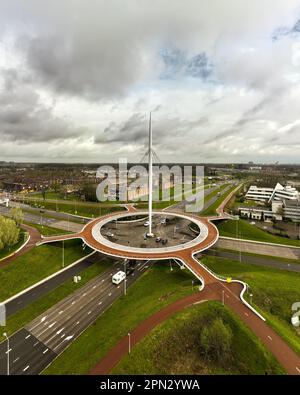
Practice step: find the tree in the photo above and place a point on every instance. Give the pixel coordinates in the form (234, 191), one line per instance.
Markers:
(9, 233)
(215, 340)
(17, 215)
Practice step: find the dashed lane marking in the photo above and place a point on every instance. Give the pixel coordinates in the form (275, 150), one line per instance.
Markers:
(89, 313)
(44, 352)
(19, 358)
(26, 368)
(27, 337)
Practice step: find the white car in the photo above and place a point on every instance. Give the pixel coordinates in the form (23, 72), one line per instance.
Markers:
(118, 277)
(147, 223)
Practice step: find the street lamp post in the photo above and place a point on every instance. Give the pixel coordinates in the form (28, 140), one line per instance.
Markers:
(8, 351)
(125, 281)
(129, 343)
(63, 254)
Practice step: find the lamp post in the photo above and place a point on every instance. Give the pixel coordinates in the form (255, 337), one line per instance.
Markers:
(8, 351)
(63, 254)
(125, 281)
(129, 343)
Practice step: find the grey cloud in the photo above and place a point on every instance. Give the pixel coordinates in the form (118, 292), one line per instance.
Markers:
(23, 116)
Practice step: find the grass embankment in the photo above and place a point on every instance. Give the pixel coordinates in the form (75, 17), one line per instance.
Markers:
(274, 291)
(175, 347)
(37, 264)
(24, 316)
(243, 229)
(47, 230)
(211, 210)
(83, 210)
(8, 251)
(154, 290)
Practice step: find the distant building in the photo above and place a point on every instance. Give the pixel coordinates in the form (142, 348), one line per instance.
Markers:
(288, 209)
(4, 199)
(265, 194)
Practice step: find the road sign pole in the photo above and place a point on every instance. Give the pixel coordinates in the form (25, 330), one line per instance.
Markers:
(8, 351)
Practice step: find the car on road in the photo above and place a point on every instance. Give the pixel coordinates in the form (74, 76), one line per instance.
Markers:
(147, 223)
(118, 277)
(158, 239)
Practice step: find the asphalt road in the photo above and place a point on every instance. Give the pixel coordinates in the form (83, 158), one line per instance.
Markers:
(63, 223)
(35, 346)
(255, 260)
(35, 293)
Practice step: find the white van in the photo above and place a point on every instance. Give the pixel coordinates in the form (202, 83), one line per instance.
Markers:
(118, 277)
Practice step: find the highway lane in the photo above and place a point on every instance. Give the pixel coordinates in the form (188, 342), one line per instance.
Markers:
(181, 205)
(35, 293)
(255, 260)
(55, 329)
(64, 223)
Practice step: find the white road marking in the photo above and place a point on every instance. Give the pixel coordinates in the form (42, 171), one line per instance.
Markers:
(6, 352)
(44, 352)
(58, 332)
(36, 343)
(73, 302)
(27, 337)
(27, 367)
(19, 358)
(269, 337)
(99, 303)
(84, 294)
(77, 323)
(63, 335)
(51, 325)
(89, 313)
(61, 311)
(94, 286)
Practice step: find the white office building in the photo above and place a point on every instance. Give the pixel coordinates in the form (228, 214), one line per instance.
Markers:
(278, 193)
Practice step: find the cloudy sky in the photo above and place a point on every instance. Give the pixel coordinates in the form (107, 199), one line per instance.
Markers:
(78, 79)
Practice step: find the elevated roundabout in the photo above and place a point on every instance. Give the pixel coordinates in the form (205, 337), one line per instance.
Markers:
(229, 291)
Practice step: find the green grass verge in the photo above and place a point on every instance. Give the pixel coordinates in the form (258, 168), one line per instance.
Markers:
(47, 230)
(247, 231)
(154, 290)
(274, 291)
(8, 251)
(174, 347)
(24, 316)
(84, 210)
(211, 210)
(37, 264)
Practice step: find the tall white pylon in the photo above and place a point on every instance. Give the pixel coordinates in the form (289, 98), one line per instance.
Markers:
(150, 181)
